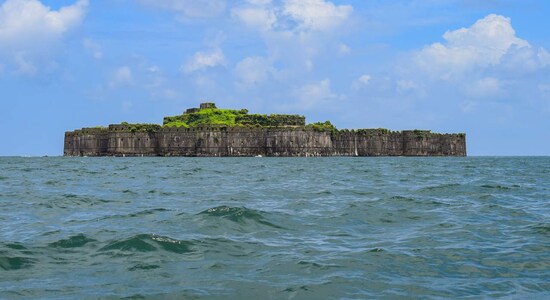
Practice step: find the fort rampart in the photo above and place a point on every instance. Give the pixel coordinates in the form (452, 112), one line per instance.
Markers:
(213, 141)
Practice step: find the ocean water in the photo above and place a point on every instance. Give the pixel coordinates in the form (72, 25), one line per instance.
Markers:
(275, 228)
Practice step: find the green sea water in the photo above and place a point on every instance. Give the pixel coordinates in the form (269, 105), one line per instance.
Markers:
(275, 228)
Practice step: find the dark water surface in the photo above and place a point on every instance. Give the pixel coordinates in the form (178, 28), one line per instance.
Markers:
(275, 228)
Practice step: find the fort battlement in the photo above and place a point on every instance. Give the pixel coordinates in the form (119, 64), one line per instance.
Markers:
(209, 131)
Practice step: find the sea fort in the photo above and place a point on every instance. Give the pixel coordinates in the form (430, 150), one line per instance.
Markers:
(212, 132)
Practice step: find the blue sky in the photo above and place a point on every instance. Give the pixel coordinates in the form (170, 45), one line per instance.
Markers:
(480, 67)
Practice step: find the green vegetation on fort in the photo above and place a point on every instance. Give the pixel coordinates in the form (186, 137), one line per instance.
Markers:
(374, 132)
(209, 114)
(420, 134)
(270, 120)
(142, 127)
(231, 118)
(322, 127)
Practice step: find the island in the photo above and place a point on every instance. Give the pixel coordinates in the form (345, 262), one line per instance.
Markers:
(208, 131)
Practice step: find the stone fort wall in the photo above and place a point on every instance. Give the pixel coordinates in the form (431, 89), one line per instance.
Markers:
(212, 141)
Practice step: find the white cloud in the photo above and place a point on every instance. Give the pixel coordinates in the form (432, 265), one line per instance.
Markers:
(491, 36)
(24, 66)
(405, 85)
(93, 48)
(484, 87)
(316, 14)
(308, 64)
(344, 49)
(153, 69)
(256, 17)
(253, 70)
(204, 60)
(167, 94)
(295, 32)
(24, 22)
(468, 106)
(361, 82)
(121, 76)
(519, 60)
(317, 94)
(259, 2)
(189, 8)
(482, 45)
(364, 79)
(544, 57)
(293, 15)
(485, 61)
(31, 31)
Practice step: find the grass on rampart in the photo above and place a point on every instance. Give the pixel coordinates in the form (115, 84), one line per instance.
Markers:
(209, 116)
(142, 127)
(231, 118)
(322, 127)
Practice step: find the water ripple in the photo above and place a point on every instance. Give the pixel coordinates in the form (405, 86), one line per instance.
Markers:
(343, 228)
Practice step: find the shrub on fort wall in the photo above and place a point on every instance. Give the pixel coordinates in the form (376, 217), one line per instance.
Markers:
(322, 127)
(230, 117)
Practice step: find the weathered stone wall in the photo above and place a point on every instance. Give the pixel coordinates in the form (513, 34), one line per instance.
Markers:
(362, 144)
(86, 142)
(253, 141)
(132, 144)
(429, 144)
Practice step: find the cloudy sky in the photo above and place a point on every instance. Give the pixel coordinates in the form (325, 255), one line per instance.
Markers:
(480, 67)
